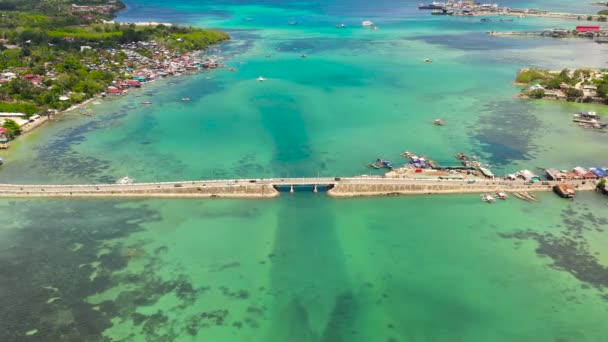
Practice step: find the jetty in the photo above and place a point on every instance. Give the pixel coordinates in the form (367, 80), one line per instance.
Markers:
(273, 187)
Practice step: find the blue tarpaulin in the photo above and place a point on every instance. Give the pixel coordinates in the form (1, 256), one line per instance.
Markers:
(598, 172)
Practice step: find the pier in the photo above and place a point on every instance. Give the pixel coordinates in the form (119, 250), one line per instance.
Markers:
(269, 187)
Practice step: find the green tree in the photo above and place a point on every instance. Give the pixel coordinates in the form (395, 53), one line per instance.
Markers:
(12, 127)
(537, 93)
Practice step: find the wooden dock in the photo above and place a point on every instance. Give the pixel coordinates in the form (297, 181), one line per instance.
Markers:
(269, 188)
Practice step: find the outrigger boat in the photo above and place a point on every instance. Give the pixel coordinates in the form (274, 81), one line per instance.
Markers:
(381, 163)
(502, 195)
(488, 198)
(125, 180)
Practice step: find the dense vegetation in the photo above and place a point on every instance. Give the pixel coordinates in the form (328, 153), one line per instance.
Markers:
(42, 47)
(565, 81)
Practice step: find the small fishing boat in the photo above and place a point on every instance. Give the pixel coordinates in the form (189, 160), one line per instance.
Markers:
(461, 156)
(261, 79)
(438, 122)
(367, 23)
(428, 60)
(502, 195)
(488, 198)
(147, 103)
(529, 196)
(186, 99)
(125, 180)
(486, 20)
(374, 165)
(340, 26)
(303, 55)
(520, 196)
(382, 163)
(406, 154)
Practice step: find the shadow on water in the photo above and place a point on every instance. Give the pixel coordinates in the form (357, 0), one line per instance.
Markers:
(316, 300)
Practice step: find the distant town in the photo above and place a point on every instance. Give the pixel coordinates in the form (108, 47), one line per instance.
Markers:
(53, 59)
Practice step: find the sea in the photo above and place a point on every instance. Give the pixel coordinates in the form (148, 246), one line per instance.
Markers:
(306, 267)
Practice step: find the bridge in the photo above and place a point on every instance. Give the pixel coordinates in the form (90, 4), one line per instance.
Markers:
(271, 187)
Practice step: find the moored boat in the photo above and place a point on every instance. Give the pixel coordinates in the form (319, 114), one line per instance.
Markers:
(502, 195)
(125, 180)
(488, 198)
(438, 122)
(564, 190)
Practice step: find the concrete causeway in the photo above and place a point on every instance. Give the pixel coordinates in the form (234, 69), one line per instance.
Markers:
(269, 187)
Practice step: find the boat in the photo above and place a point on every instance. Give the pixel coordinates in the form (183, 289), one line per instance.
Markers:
(485, 20)
(442, 12)
(428, 60)
(406, 154)
(374, 165)
(146, 102)
(125, 180)
(293, 23)
(564, 190)
(438, 122)
(432, 6)
(186, 99)
(374, 28)
(488, 198)
(303, 55)
(340, 26)
(502, 195)
(382, 163)
(530, 196)
(261, 79)
(520, 196)
(367, 23)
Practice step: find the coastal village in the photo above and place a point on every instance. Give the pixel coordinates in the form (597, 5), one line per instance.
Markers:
(114, 57)
(420, 167)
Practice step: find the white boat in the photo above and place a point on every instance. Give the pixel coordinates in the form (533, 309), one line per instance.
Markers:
(261, 79)
(502, 195)
(125, 180)
(438, 122)
(186, 99)
(428, 60)
(367, 23)
(488, 198)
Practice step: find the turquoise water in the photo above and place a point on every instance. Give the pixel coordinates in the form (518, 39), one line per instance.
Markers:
(306, 267)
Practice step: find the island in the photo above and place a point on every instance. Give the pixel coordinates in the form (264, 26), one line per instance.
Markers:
(54, 56)
(580, 85)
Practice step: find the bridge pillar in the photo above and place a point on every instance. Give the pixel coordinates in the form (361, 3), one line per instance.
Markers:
(315, 189)
(291, 189)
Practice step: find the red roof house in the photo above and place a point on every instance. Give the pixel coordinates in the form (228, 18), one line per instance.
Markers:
(582, 28)
(134, 83)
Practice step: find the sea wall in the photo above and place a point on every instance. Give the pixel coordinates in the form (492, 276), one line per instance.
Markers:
(226, 191)
(360, 189)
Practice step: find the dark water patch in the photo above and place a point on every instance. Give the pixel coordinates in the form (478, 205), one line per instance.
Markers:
(569, 249)
(478, 41)
(236, 294)
(228, 266)
(38, 262)
(321, 45)
(341, 319)
(506, 132)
